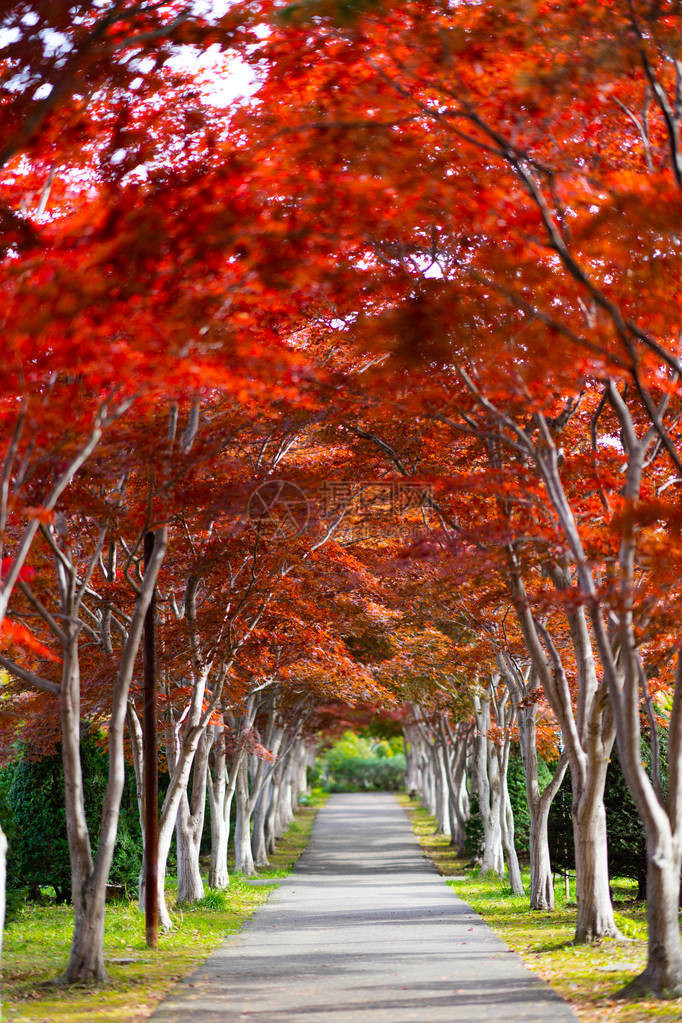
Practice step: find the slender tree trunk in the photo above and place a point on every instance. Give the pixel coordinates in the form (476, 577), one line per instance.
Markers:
(430, 781)
(137, 749)
(541, 880)
(258, 843)
(189, 826)
(218, 797)
(271, 822)
(493, 853)
(219, 876)
(588, 735)
(412, 781)
(180, 753)
(507, 824)
(165, 838)
(455, 758)
(489, 791)
(86, 958)
(243, 856)
(442, 790)
(286, 815)
(663, 972)
(462, 807)
(301, 787)
(89, 879)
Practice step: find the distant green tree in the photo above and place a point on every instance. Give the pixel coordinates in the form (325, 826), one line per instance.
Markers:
(361, 763)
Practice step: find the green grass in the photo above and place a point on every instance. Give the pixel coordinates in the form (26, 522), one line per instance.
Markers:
(36, 947)
(587, 976)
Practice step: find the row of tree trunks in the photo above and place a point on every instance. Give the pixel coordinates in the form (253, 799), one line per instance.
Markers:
(445, 762)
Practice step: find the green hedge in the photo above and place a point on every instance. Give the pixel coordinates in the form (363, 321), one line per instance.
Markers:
(367, 774)
(33, 814)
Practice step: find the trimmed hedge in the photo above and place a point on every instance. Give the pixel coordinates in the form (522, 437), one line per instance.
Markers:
(32, 810)
(367, 774)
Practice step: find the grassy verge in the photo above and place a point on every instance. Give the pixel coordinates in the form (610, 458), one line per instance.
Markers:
(36, 947)
(587, 976)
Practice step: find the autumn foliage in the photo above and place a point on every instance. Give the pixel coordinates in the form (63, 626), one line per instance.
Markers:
(422, 276)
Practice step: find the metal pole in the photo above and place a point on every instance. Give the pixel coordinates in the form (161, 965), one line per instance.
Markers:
(151, 779)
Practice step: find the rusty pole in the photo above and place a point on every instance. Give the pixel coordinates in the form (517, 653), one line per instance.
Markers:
(151, 778)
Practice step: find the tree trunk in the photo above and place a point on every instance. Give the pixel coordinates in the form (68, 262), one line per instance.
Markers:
(493, 853)
(430, 785)
(663, 972)
(258, 843)
(218, 876)
(588, 735)
(189, 826)
(220, 802)
(286, 814)
(507, 824)
(412, 780)
(454, 759)
(302, 770)
(271, 822)
(243, 856)
(137, 749)
(541, 881)
(442, 790)
(595, 912)
(489, 790)
(165, 838)
(188, 839)
(86, 959)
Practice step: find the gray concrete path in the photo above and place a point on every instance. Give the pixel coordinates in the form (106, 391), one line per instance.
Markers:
(363, 931)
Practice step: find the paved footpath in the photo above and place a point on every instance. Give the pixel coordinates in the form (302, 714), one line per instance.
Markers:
(363, 931)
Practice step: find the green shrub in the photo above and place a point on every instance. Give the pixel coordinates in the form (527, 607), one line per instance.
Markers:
(40, 852)
(367, 774)
(361, 763)
(15, 892)
(560, 827)
(624, 828)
